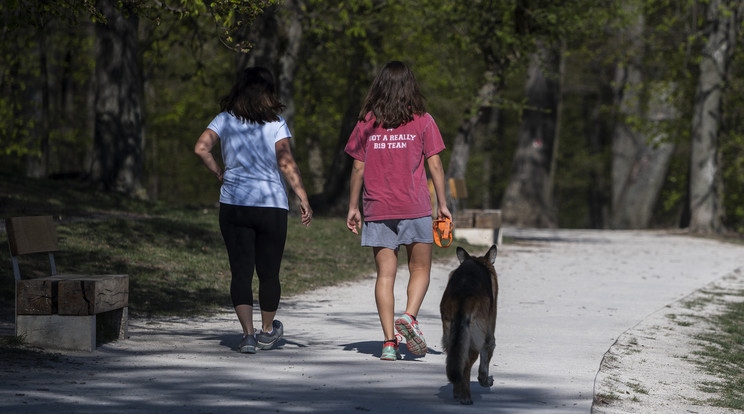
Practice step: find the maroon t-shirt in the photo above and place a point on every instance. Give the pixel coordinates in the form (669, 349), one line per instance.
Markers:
(394, 175)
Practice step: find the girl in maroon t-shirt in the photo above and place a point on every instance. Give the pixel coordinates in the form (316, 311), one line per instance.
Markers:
(389, 144)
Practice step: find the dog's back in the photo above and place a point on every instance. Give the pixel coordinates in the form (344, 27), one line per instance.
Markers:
(468, 310)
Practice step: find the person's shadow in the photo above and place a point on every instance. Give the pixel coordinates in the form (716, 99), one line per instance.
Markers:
(231, 341)
(374, 349)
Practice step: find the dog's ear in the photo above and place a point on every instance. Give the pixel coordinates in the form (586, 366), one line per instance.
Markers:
(491, 255)
(462, 255)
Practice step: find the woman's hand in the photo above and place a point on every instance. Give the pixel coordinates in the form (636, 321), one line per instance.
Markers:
(306, 212)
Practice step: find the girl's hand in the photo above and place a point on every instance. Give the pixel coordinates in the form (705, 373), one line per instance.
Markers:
(354, 220)
(444, 212)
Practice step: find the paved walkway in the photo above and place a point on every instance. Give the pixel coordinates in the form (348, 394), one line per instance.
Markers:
(565, 297)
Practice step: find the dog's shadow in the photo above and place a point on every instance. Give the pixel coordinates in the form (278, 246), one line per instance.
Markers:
(476, 392)
(374, 349)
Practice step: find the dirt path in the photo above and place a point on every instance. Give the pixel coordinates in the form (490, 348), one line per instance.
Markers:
(566, 297)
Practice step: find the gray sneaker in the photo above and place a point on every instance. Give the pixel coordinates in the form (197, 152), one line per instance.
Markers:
(248, 345)
(266, 340)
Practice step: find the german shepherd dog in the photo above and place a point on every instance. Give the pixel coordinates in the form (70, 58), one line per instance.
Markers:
(468, 311)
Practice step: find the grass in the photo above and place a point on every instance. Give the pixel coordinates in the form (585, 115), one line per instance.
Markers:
(722, 354)
(175, 256)
(637, 388)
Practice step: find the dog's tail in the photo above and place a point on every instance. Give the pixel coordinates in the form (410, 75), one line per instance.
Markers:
(459, 345)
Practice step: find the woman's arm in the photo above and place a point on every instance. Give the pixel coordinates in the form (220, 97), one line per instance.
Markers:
(203, 149)
(291, 173)
(354, 217)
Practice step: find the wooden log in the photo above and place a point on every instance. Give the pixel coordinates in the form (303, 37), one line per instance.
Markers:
(463, 219)
(36, 297)
(487, 219)
(90, 295)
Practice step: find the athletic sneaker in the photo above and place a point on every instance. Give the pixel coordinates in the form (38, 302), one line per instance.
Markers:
(267, 340)
(408, 327)
(390, 351)
(248, 345)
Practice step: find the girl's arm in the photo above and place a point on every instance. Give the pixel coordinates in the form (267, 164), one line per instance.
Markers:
(203, 149)
(354, 217)
(291, 173)
(437, 177)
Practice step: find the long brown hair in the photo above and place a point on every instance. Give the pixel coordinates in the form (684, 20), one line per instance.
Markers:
(253, 97)
(394, 97)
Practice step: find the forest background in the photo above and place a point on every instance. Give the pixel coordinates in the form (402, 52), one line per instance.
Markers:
(575, 113)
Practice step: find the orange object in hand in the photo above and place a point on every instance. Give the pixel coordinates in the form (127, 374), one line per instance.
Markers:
(443, 232)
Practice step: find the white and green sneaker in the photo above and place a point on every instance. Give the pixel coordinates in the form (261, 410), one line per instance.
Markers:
(390, 351)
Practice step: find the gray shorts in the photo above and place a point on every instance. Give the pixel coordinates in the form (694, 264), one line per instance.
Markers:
(396, 232)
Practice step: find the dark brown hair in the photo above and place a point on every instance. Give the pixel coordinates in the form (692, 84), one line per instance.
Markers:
(253, 97)
(394, 97)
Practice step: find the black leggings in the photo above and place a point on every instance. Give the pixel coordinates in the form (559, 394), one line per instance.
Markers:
(254, 237)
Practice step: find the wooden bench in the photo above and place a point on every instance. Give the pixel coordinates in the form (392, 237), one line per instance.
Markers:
(476, 226)
(63, 311)
(480, 227)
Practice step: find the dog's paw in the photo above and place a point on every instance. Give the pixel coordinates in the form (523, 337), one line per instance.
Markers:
(485, 381)
(466, 401)
(463, 396)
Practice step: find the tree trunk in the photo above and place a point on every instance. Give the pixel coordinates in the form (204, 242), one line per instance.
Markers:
(705, 185)
(597, 141)
(265, 50)
(37, 164)
(487, 145)
(119, 132)
(279, 34)
(639, 162)
(528, 199)
(335, 195)
(335, 188)
(458, 163)
(288, 61)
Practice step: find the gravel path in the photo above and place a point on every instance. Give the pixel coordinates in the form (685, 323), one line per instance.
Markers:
(567, 298)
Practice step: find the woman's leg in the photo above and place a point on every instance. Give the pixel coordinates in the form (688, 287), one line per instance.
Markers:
(419, 266)
(271, 237)
(245, 316)
(386, 261)
(239, 242)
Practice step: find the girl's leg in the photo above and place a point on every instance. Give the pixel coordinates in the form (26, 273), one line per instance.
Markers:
(419, 266)
(386, 261)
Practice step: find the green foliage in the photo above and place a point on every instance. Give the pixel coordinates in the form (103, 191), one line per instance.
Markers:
(732, 149)
(231, 16)
(180, 102)
(672, 205)
(69, 66)
(186, 67)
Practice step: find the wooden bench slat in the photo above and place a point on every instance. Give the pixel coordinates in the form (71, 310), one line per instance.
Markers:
(90, 295)
(34, 234)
